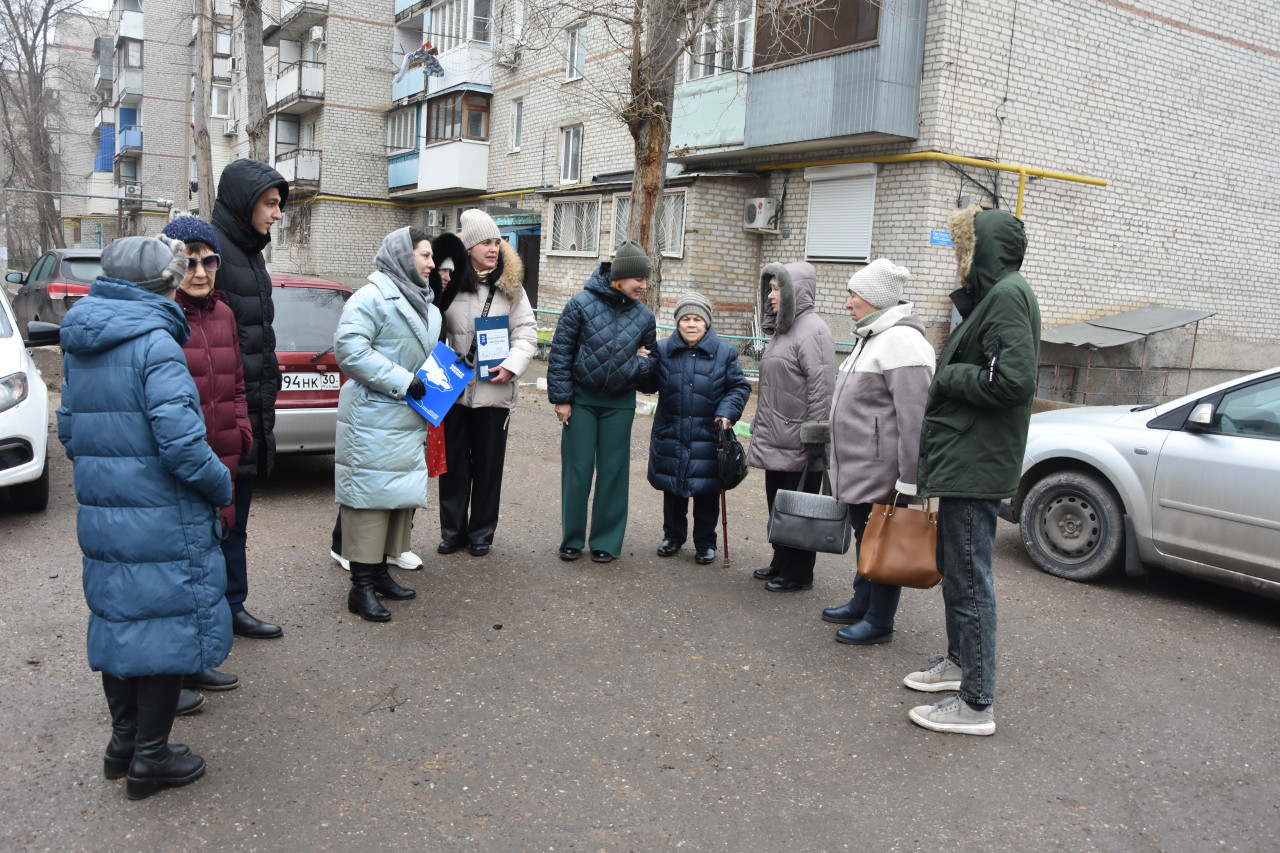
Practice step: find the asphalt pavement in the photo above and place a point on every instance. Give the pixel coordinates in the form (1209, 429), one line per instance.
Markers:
(524, 703)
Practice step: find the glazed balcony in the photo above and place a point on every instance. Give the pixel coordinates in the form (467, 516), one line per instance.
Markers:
(441, 168)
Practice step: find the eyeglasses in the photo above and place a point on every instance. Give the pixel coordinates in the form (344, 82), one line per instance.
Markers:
(210, 262)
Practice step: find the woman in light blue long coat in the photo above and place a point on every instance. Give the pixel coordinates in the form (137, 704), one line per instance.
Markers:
(387, 329)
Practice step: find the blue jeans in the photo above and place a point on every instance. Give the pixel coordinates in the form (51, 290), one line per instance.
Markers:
(234, 546)
(966, 544)
(877, 602)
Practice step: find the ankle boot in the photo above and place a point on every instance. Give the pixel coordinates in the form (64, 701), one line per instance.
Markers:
(385, 585)
(154, 763)
(122, 699)
(361, 599)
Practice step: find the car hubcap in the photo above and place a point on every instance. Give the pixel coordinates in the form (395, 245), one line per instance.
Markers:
(1070, 527)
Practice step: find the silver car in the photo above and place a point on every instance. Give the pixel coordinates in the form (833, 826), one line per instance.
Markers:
(1191, 485)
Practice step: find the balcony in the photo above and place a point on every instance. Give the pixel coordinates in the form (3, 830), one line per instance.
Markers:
(470, 63)
(301, 168)
(103, 77)
(297, 17)
(129, 139)
(441, 168)
(297, 88)
(409, 8)
(130, 25)
(412, 83)
(128, 88)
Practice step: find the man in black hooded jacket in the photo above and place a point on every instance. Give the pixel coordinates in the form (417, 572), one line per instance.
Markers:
(250, 196)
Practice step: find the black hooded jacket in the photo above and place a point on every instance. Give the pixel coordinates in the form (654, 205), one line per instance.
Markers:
(243, 278)
(447, 245)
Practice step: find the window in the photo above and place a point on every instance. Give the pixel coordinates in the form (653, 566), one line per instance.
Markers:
(130, 53)
(462, 115)
(481, 20)
(402, 130)
(220, 101)
(222, 39)
(571, 154)
(841, 204)
(788, 34)
(517, 122)
(286, 134)
(128, 169)
(576, 55)
(575, 227)
(455, 22)
(670, 222)
(1253, 410)
(725, 42)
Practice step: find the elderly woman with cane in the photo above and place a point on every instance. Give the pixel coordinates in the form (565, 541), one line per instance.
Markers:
(700, 389)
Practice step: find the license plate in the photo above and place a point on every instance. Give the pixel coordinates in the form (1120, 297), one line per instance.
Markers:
(311, 382)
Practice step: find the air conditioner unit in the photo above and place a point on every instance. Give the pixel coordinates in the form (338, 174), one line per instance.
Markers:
(760, 214)
(237, 64)
(95, 99)
(317, 35)
(507, 54)
(433, 219)
(133, 190)
(229, 127)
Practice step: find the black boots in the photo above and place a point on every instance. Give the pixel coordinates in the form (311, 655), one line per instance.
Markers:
(122, 699)
(384, 585)
(154, 762)
(361, 599)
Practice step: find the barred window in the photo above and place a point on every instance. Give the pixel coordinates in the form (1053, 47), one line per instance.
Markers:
(670, 222)
(575, 227)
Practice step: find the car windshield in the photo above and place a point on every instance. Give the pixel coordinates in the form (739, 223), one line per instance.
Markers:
(6, 330)
(306, 317)
(83, 269)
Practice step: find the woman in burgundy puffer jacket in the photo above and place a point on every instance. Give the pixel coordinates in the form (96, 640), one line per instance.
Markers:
(213, 358)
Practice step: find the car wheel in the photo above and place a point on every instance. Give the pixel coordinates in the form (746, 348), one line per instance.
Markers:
(1072, 526)
(32, 496)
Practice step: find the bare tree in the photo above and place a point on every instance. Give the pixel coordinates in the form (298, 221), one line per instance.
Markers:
(255, 81)
(27, 106)
(202, 63)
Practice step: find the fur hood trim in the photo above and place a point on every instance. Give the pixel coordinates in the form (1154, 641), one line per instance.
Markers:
(511, 281)
(961, 224)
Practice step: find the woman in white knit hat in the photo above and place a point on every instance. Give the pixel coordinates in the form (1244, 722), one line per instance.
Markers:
(491, 285)
(876, 412)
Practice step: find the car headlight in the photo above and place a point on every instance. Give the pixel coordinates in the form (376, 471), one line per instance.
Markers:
(13, 390)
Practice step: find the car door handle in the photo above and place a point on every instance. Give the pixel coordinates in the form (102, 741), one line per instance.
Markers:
(1141, 451)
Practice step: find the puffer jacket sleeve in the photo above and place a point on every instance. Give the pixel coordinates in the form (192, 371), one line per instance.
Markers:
(651, 381)
(65, 422)
(1008, 337)
(523, 325)
(816, 355)
(635, 369)
(737, 388)
(909, 388)
(564, 348)
(173, 410)
(353, 345)
(243, 424)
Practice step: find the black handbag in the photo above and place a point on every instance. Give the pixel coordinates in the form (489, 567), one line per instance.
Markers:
(811, 522)
(731, 458)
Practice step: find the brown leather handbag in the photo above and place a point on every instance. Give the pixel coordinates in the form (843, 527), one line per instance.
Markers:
(899, 546)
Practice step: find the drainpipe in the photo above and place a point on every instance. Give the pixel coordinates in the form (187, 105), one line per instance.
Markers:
(938, 156)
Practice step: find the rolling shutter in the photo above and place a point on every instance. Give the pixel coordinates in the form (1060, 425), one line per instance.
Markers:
(842, 203)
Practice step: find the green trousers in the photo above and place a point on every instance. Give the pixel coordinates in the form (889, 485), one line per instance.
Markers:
(596, 441)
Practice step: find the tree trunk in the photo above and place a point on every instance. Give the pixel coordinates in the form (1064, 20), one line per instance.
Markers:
(255, 82)
(204, 152)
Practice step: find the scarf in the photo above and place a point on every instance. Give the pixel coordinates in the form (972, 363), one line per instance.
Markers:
(395, 259)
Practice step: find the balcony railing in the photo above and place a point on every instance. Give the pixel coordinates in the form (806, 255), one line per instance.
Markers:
(406, 5)
(129, 138)
(131, 25)
(129, 84)
(412, 83)
(302, 80)
(289, 8)
(402, 169)
(301, 165)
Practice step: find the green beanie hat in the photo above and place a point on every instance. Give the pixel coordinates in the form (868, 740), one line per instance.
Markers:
(629, 261)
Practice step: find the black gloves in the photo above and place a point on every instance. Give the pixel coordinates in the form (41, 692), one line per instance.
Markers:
(416, 388)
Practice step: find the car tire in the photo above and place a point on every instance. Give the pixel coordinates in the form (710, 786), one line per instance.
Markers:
(1073, 526)
(34, 495)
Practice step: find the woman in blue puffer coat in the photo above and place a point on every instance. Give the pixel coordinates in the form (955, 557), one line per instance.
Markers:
(149, 488)
(380, 472)
(700, 388)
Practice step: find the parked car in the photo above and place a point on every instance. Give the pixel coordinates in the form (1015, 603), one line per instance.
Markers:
(307, 313)
(1188, 485)
(24, 412)
(58, 278)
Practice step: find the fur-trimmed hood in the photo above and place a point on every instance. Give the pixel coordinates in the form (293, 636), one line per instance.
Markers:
(446, 244)
(988, 245)
(509, 271)
(797, 288)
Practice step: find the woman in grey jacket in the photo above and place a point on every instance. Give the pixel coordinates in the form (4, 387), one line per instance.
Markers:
(876, 413)
(796, 376)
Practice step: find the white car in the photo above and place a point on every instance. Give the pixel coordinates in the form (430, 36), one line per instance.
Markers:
(1190, 485)
(24, 412)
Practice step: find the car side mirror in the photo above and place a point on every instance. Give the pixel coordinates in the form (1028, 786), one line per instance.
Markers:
(1201, 418)
(41, 334)
(14, 278)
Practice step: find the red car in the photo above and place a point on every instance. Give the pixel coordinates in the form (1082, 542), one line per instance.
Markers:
(307, 313)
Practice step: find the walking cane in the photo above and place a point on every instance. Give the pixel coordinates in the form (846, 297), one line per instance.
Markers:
(724, 526)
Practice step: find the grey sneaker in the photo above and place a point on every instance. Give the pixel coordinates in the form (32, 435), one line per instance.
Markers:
(954, 715)
(941, 676)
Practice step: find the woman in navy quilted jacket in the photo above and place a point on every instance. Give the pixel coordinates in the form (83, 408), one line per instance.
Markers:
(599, 353)
(213, 359)
(149, 490)
(700, 388)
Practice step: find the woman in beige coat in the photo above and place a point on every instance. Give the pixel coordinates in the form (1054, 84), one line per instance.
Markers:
(475, 429)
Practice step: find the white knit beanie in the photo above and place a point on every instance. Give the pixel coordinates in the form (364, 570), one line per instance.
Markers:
(476, 226)
(880, 283)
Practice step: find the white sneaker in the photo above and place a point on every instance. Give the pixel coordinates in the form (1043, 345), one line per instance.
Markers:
(407, 560)
(941, 676)
(954, 716)
(337, 558)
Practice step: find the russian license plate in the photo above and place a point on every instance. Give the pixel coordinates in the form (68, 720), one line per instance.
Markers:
(311, 382)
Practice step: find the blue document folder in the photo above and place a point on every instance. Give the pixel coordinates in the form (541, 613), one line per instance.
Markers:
(446, 377)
